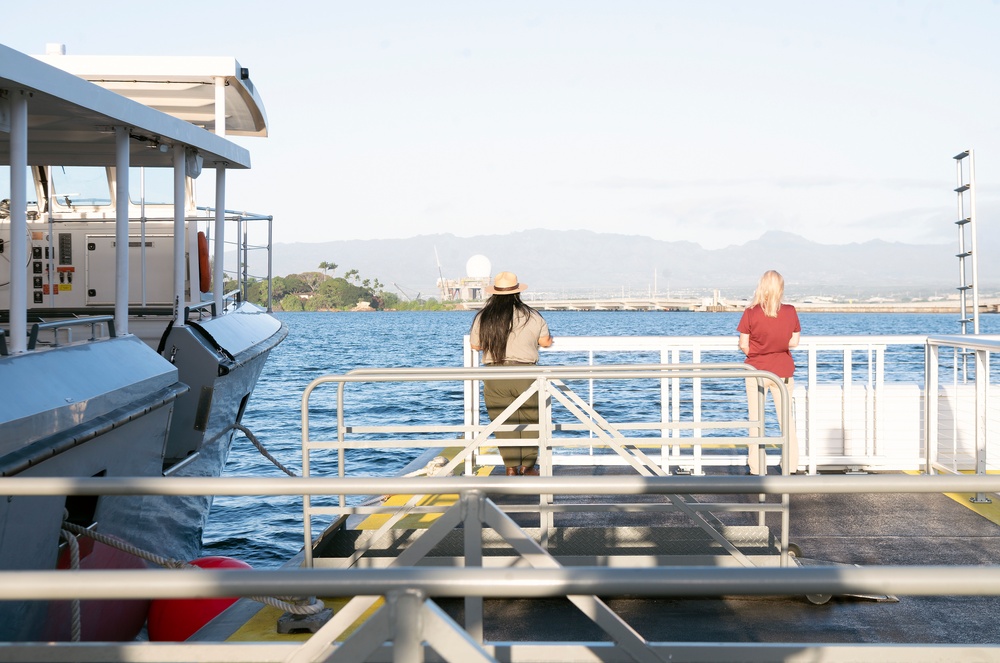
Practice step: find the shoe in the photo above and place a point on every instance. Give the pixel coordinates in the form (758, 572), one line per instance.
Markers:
(513, 471)
(529, 471)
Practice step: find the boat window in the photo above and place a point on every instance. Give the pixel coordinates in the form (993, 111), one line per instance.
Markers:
(80, 185)
(5, 190)
(155, 186)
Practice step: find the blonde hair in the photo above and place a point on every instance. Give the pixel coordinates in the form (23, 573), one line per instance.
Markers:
(768, 294)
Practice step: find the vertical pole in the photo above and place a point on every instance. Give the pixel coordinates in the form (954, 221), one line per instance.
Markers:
(696, 412)
(930, 407)
(469, 402)
(547, 519)
(240, 282)
(405, 622)
(220, 106)
(180, 204)
(218, 271)
(270, 257)
(122, 164)
(142, 231)
(18, 221)
(846, 412)
(982, 385)
(810, 416)
(472, 502)
(665, 432)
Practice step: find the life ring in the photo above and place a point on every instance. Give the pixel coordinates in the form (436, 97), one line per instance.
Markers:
(204, 270)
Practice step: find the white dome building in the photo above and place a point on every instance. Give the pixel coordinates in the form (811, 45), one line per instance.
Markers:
(472, 286)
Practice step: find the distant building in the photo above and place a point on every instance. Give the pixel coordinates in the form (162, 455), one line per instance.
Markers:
(471, 288)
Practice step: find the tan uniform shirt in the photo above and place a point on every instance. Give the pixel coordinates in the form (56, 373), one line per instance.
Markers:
(522, 344)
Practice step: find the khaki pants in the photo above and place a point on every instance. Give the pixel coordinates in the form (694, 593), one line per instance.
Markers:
(754, 389)
(498, 394)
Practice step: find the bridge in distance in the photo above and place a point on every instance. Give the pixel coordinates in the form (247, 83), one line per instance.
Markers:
(699, 305)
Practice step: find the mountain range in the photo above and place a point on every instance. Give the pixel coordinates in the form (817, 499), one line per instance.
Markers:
(580, 263)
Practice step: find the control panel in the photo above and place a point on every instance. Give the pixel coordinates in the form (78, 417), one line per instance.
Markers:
(72, 265)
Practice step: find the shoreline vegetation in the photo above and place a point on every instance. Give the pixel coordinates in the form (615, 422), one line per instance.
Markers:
(323, 291)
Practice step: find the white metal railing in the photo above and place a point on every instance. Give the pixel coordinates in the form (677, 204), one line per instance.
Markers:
(559, 438)
(962, 417)
(243, 247)
(409, 592)
(858, 403)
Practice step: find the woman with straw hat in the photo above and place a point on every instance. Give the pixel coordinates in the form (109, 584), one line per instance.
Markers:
(509, 332)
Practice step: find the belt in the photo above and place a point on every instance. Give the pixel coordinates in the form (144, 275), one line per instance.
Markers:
(515, 363)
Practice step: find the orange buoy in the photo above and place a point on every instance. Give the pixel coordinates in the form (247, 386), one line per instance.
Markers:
(175, 620)
(204, 271)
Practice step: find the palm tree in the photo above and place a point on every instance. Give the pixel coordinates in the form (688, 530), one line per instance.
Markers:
(332, 266)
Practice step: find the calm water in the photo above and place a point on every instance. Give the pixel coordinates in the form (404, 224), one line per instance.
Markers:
(266, 531)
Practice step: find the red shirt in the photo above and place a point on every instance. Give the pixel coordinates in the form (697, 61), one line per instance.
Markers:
(769, 339)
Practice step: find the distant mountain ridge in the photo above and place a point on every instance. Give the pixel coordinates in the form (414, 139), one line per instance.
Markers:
(581, 263)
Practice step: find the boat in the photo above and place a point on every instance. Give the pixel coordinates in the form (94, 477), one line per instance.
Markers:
(122, 353)
(641, 540)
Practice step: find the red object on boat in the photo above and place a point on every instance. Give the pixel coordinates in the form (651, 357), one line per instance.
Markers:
(175, 620)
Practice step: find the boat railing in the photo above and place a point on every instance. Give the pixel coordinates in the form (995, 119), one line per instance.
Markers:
(858, 402)
(567, 425)
(250, 239)
(411, 620)
(98, 324)
(959, 373)
(201, 309)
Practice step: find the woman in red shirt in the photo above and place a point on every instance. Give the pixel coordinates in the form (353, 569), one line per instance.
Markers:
(768, 330)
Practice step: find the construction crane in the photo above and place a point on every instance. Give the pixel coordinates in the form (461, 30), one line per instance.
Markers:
(403, 293)
(441, 282)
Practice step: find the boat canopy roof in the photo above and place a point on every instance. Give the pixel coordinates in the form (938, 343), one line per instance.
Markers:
(71, 120)
(180, 86)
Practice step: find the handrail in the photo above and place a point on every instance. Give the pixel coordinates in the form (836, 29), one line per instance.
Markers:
(75, 322)
(544, 373)
(859, 399)
(422, 584)
(199, 308)
(834, 484)
(550, 385)
(981, 347)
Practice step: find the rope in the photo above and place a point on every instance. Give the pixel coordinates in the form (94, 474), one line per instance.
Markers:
(76, 627)
(260, 447)
(294, 605)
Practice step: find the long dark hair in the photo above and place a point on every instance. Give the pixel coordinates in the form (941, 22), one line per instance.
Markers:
(496, 322)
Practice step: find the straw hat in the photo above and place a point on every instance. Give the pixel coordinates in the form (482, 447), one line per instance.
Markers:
(505, 283)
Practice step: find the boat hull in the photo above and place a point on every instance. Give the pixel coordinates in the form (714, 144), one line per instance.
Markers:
(97, 409)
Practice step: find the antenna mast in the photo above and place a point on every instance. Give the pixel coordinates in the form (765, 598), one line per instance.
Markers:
(441, 284)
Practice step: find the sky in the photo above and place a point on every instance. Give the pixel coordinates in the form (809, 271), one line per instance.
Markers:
(713, 122)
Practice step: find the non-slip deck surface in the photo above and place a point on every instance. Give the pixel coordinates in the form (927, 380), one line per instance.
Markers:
(880, 529)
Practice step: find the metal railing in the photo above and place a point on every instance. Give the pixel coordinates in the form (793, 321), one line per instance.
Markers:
(961, 395)
(567, 423)
(858, 404)
(96, 323)
(392, 634)
(243, 247)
